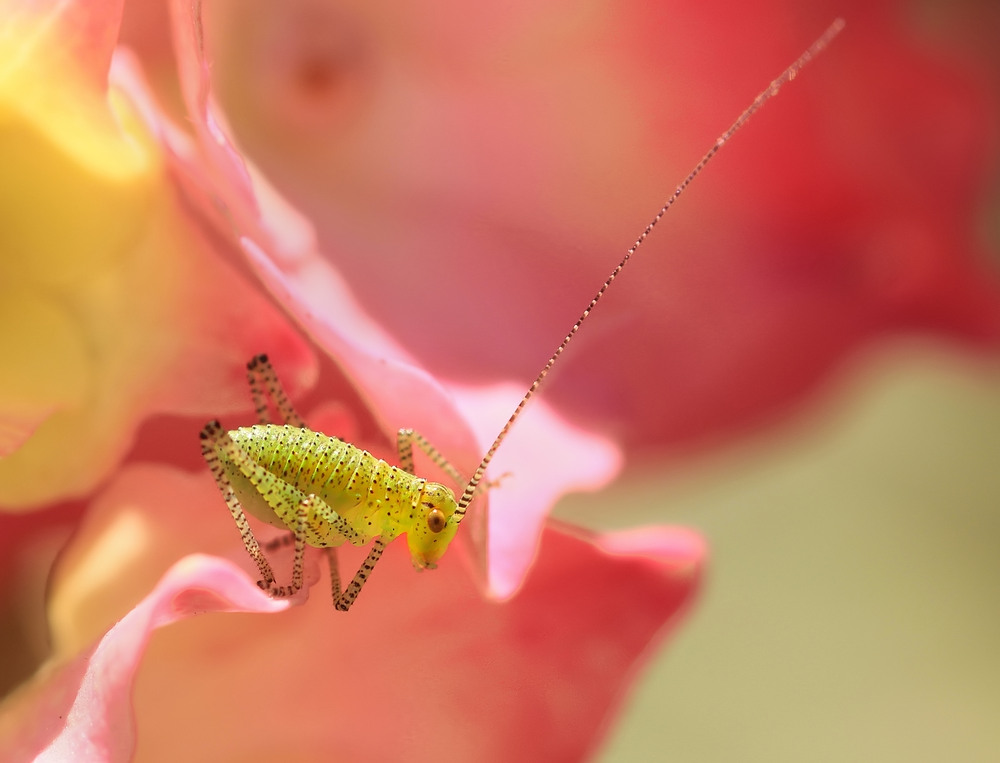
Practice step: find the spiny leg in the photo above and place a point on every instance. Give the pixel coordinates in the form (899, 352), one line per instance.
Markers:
(264, 381)
(214, 438)
(404, 446)
(299, 536)
(331, 557)
(210, 437)
(281, 493)
(342, 601)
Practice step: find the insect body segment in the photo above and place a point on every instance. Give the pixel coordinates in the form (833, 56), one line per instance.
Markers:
(328, 492)
(371, 497)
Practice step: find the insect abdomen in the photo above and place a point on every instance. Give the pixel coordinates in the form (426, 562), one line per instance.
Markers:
(374, 497)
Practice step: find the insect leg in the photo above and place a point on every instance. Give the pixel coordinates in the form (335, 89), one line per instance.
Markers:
(331, 557)
(278, 543)
(298, 538)
(342, 601)
(264, 381)
(211, 436)
(299, 535)
(280, 496)
(214, 439)
(404, 446)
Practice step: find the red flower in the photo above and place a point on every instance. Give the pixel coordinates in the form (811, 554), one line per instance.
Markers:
(546, 657)
(432, 195)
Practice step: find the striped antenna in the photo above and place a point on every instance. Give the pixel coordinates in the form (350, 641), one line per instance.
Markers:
(786, 76)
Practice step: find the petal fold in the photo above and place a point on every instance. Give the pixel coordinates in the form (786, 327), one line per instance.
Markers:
(82, 709)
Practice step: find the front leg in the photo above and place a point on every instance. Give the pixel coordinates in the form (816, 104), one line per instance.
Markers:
(404, 446)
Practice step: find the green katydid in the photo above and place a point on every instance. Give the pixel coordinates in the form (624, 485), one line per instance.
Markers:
(329, 492)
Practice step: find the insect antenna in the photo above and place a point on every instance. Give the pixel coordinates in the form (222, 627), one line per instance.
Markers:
(786, 76)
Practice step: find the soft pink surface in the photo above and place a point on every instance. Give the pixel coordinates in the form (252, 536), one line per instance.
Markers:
(434, 216)
(82, 709)
(423, 667)
(474, 174)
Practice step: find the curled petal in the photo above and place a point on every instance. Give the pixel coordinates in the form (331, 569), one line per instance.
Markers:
(81, 709)
(113, 303)
(460, 676)
(542, 458)
(539, 139)
(281, 247)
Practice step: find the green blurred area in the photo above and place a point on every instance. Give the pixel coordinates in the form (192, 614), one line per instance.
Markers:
(852, 605)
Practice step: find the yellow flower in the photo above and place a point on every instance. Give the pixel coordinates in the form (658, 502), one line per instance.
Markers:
(107, 303)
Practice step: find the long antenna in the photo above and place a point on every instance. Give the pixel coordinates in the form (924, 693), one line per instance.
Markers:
(786, 76)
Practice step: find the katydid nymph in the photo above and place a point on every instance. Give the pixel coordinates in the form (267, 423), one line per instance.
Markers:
(328, 492)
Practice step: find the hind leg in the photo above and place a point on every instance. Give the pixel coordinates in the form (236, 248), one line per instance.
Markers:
(263, 383)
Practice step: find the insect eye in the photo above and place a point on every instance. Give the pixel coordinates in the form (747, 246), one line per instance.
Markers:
(436, 520)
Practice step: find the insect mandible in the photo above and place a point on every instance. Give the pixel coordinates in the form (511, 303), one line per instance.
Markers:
(329, 492)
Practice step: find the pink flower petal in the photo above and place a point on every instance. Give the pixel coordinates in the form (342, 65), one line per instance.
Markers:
(542, 458)
(503, 160)
(83, 31)
(277, 236)
(280, 245)
(461, 677)
(82, 709)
